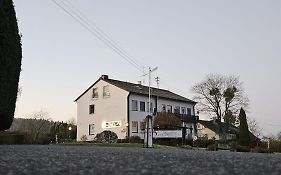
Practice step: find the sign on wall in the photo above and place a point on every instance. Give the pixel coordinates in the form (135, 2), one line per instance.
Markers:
(112, 124)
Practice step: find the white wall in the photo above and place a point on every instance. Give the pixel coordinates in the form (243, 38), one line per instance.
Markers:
(113, 108)
(139, 116)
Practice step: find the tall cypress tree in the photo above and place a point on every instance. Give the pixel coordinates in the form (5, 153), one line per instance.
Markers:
(244, 134)
(10, 62)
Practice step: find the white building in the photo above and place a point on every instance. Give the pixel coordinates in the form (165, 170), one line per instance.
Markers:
(121, 107)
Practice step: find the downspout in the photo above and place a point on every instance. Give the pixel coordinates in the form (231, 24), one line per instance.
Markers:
(128, 114)
(195, 123)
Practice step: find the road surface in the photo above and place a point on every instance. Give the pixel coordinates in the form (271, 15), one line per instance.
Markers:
(53, 159)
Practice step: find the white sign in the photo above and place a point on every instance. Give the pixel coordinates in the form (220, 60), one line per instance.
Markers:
(167, 134)
(112, 124)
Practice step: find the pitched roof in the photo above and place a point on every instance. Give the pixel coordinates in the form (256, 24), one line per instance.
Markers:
(142, 90)
(214, 126)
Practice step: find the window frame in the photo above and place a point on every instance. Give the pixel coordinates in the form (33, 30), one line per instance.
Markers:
(95, 94)
(183, 110)
(171, 108)
(164, 108)
(105, 91)
(92, 109)
(136, 107)
(136, 128)
(188, 110)
(90, 129)
(144, 108)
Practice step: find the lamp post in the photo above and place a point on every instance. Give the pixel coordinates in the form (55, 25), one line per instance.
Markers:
(69, 129)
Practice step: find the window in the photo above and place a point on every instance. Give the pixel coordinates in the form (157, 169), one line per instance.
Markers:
(91, 109)
(106, 91)
(183, 111)
(134, 105)
(92, 129)
(177, 110)
(151, 107)
(163, 107)
(188, 111)
(135, 126)
(142, 106)
(169, 108)
(95, 93)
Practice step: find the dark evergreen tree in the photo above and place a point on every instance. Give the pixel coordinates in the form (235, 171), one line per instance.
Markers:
(244, 134)
(10, 62)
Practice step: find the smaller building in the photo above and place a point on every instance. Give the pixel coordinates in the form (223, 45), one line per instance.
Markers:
(212, 130)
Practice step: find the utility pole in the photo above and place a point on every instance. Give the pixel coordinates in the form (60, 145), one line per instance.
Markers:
(149, 85)
(148, 135)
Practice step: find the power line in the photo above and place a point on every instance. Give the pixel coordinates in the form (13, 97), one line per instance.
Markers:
(97, 33)
(99, 30)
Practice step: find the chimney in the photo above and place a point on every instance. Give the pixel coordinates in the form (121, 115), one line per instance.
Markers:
(104, 77)
(139, 82)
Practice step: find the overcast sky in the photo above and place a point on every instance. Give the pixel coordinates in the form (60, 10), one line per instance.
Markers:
(186, 39)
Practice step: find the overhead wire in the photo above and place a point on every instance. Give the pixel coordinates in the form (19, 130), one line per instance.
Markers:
(99, 30)
(97, 33)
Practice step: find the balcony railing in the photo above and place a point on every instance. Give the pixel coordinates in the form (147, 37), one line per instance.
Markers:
(188, 118)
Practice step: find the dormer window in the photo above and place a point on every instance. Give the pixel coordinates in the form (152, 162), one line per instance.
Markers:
(106, 92)
(95, 93)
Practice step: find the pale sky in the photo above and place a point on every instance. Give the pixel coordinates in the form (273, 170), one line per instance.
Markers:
(186, 39)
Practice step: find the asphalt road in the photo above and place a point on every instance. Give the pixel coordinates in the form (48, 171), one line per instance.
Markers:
(30, 159)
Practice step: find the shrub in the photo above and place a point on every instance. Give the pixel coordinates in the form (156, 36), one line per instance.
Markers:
(168, 141)
(135, 139)
(233, 146)
(106, 137)
(212, 147)
(275, 146)
(261, 150)
(11, 138)
(166, 120)
(203, 143)
(243, 148)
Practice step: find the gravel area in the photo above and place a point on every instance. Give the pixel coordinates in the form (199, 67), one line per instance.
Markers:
(53, 159)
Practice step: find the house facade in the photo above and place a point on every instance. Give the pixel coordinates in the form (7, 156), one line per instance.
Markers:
(121, 107)
(211, 130)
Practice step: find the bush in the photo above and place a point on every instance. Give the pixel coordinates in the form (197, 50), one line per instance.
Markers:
(212, 147)
(233, 146)
(166, 120)
(203, 143)
(243, 148)
(126, 140)
(261, 150)
(135, 139)
(106, 137)
(11, 138)
(275, 146)
(168, 142)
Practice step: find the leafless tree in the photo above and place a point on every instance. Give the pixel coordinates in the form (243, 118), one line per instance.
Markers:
(218, 95)
(38, 123)
(254, 127)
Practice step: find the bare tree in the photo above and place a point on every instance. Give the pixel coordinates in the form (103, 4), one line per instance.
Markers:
(254, 127)
(218, 95)
(38, 124)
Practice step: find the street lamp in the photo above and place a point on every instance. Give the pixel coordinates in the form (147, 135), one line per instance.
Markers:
(69, 129)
